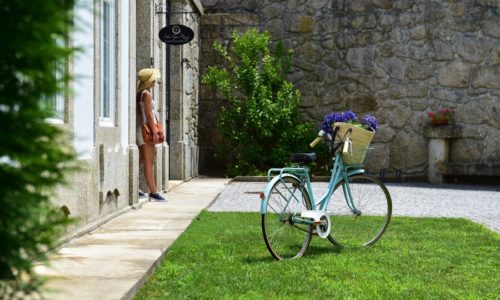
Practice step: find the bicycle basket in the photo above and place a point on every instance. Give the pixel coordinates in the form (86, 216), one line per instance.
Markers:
(360, 137)
(356, 156)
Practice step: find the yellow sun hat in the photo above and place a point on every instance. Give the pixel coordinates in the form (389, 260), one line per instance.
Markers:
(146, 77)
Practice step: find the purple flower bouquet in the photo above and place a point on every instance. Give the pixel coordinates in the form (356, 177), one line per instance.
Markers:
(368, 122)
(359, 134)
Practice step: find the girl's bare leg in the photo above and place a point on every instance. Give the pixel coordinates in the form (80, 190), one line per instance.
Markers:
(146, 154)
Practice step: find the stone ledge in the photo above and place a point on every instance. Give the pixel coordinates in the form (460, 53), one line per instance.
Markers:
(443, 132)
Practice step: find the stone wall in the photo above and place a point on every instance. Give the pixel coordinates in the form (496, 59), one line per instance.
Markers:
(394, 59)
(183, 64)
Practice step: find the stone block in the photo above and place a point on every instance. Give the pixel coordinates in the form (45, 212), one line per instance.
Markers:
(455, 74)
(248, 19)
(466, 150)
(318, 4)
(300, 23)
(358, 5)
(384, 134)
(472, 50)
(403, 4)
(356, 22)
(419, 71)
(464, 24)
(384, 4)
(329, 24)
(487, 78)
(311, 52)
(432, 11)
(495, 55)
(272, 11)
(394, 67)
(400, 116)
(361, 58)
(447, 94)
(418, 32)
(408, 150)
(417, 90)
(457, 9)
(490, 26)
(211, 20)
(441, 50)
(363, 102)
(387, 20)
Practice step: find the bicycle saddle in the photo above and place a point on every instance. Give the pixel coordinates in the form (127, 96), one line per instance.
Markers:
(303, 158)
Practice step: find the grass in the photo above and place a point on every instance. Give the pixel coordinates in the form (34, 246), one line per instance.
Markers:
(223, 255)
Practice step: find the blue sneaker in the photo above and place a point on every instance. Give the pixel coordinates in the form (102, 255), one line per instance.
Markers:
(156, 196)
(141, 193)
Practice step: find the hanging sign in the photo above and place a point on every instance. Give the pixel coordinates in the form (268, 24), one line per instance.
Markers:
(176, 34)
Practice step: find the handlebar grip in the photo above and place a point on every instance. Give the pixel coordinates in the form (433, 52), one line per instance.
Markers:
(315, 142)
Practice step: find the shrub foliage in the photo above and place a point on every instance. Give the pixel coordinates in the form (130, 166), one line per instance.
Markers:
(259, 119)
(31, 161)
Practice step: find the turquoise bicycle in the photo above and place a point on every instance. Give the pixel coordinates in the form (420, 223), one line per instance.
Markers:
(354, 211)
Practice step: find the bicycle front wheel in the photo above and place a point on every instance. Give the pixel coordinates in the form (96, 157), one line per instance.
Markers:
(285, 233)
(360, 211)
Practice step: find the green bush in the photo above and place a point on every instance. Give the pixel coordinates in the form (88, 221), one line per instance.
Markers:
(32, 162)
(259, 120)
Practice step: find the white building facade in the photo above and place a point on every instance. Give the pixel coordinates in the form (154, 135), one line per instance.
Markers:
(116, 38)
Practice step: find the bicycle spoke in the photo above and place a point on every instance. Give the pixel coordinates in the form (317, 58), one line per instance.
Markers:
(284, 238)
(369, 196)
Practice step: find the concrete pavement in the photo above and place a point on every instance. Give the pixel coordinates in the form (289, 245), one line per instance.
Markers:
(113, 261)
(477, 203)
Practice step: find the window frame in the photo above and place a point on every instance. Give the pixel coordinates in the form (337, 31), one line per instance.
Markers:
(57, 102)
(107, 36)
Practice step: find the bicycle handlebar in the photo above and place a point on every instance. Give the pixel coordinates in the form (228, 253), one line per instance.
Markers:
(326, 136)
(315, 142)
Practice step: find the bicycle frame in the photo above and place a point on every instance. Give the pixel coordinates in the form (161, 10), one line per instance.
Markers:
(339, 172)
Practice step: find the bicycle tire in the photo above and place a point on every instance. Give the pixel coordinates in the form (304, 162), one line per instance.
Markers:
(284, 238)
(366, 226)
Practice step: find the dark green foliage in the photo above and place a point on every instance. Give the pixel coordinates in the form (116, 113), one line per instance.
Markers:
(259, 120)
(32, 161)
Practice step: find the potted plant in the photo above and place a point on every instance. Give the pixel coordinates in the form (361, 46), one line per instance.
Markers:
(443, 116)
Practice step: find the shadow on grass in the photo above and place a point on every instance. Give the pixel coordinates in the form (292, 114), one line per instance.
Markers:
(312, 251)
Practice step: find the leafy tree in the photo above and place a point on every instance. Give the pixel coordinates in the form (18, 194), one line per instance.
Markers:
(259, 120)
(33, 159)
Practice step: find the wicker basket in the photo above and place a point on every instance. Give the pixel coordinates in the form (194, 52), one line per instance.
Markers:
(356, 156)
(360, 137)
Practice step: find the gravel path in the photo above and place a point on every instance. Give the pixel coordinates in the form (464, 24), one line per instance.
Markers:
(480, 204)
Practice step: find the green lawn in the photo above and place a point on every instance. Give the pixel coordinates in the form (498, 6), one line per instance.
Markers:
(223, 255)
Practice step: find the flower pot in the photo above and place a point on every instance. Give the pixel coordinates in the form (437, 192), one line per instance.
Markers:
(439, 122)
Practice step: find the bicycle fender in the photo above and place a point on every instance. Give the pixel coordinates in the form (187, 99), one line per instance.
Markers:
(269, 186)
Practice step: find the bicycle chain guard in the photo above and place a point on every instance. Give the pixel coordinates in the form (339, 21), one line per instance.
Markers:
(321, 220)
(323, 230)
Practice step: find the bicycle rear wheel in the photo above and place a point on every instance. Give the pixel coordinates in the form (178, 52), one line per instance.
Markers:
(285, 236)
(360, 211)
